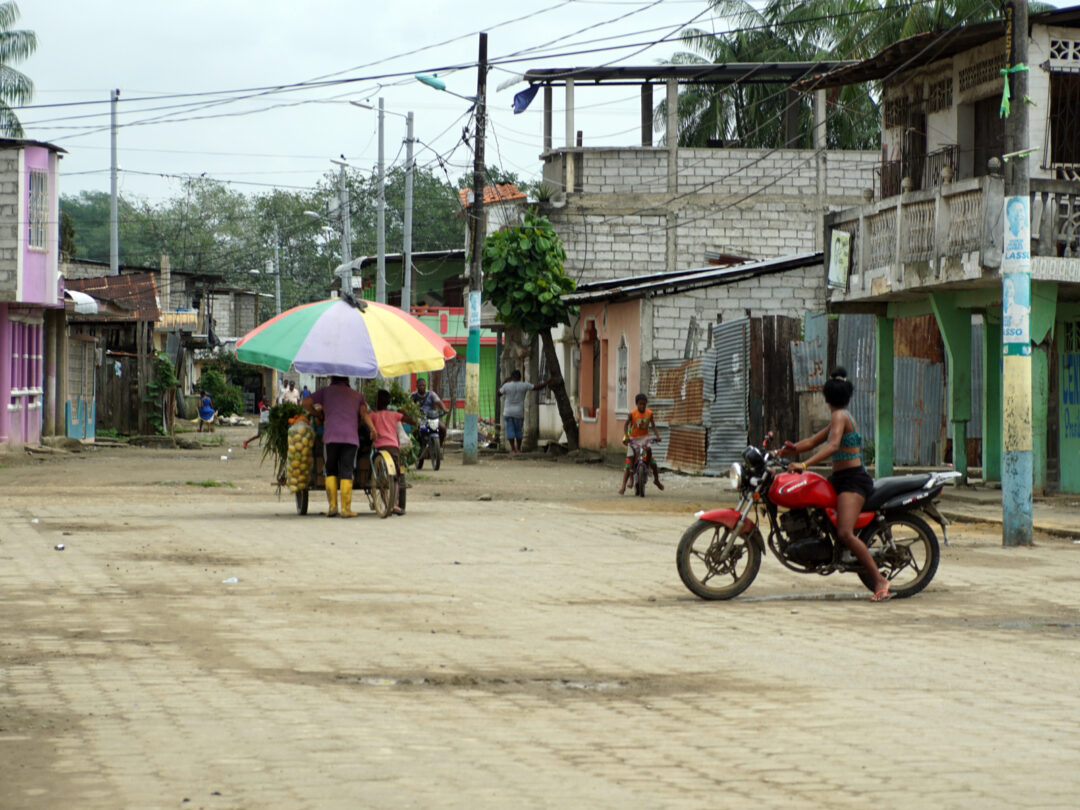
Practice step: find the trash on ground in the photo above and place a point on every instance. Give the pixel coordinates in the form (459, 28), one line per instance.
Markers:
(59, 547)
(229, 581)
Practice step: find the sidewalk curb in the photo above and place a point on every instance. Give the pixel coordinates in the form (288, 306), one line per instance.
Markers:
(970, 517)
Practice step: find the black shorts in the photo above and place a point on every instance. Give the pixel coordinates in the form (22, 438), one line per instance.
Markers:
(853, 479)
(340, 459)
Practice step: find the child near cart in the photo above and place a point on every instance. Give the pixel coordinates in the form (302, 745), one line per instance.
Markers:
(386, 426)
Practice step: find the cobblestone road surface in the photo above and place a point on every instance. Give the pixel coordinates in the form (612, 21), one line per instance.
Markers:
(502, 653)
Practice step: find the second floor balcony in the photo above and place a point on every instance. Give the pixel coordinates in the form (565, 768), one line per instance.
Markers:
(952, 234)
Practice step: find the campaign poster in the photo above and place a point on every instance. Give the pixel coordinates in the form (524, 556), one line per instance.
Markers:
(839, 258)
(1017, 258)
(1016, 313)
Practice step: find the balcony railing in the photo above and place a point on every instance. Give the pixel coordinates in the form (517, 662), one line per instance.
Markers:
(925, 171)
(956, 220)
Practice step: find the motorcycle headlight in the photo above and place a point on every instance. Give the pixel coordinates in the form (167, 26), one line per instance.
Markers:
(735, 475)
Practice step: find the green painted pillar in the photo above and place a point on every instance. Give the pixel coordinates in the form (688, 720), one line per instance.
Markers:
(955, 326)
(1043, 314)
(883, 408)
(1068, 351)
(991, 413)
(1040, 402)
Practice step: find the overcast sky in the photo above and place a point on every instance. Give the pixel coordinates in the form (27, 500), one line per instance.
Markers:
(150, 48)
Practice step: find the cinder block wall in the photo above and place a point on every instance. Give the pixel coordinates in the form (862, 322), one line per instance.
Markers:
(10, 229)
(792, 293)
(757, 203)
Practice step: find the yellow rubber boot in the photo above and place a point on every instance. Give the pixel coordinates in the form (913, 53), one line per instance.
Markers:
(331, 495)
(346, 498)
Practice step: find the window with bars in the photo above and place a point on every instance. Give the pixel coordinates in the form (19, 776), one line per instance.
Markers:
(622, 371)
(37, 212)
(1064, 118)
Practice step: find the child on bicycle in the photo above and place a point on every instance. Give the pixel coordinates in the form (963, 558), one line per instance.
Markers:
(637, 426)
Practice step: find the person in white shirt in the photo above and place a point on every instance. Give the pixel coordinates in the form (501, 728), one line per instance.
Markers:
(514, 407)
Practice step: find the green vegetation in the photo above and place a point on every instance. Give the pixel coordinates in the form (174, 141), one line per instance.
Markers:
(210, 228)
(157, 392)
(15, 88)
(524, 279)
(210, 483)
(801, 31)
(226, 397)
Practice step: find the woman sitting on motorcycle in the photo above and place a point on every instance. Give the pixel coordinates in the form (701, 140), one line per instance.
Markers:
(842, 442)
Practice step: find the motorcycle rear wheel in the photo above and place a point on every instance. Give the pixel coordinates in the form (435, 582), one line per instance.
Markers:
(912, 561)
(697, 563)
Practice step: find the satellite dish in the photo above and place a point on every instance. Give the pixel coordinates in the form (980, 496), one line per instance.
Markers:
(558, 199)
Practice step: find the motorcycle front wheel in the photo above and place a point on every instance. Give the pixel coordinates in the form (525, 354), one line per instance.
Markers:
(907, 554)
(436, 452)
(705, 572)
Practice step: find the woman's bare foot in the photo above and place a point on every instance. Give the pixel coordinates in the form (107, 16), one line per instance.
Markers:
(882, 593)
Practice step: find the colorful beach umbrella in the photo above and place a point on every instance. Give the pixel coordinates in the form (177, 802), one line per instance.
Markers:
(353, 339)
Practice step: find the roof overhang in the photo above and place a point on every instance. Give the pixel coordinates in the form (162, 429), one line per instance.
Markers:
(623, 289)
(741, 72)
(928, 47)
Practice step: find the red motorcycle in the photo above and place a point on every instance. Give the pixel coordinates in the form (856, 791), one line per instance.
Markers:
(720, 554)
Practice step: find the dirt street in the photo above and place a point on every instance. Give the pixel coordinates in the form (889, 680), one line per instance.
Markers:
(197, 644)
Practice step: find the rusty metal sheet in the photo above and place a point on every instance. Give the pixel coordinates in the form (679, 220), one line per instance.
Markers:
(856, 350)
(729, 418)
(808, 365)
(918, 411)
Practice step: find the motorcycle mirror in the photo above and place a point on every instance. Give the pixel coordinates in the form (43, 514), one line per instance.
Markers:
(768, 438)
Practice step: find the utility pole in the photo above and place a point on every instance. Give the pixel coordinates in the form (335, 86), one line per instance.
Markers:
(277, 271)
(476, 269)
(1016, 468)
(380, 274)
(114, 217)
(406, 258)
(346, 231)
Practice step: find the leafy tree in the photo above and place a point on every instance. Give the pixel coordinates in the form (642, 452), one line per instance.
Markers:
(802, 31)
(67, 237)
(524, 279)
(15, 87)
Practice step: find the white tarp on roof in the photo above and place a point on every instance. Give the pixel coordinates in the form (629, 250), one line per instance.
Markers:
(84, 304)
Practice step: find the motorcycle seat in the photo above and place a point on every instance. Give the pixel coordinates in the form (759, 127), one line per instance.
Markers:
(890, 487)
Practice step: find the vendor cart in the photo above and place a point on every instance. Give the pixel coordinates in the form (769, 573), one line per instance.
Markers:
(374, 474)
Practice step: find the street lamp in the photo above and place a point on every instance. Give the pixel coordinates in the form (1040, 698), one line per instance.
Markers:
(406, 264)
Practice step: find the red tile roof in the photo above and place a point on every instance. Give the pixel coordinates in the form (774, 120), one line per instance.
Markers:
(135, 293)
(494, 194)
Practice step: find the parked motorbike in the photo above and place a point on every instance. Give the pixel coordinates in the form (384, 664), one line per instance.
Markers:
(428, 436)
(720, 554)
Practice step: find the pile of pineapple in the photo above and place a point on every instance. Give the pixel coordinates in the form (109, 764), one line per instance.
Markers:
(300, 462)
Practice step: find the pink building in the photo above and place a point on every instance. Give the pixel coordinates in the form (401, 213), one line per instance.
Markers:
(31, 288)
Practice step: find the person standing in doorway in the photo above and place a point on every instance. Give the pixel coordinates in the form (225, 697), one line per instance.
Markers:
(514, 392)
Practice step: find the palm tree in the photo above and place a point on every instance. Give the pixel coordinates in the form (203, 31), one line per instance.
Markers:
(802, 31)
(15, 87)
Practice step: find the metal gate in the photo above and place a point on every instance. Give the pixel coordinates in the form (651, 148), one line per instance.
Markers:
(728, 416)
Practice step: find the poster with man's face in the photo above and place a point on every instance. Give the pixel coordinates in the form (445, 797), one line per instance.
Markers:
(1016, 285)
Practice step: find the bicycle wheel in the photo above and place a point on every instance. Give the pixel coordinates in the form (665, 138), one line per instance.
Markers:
(383, 487)
(641, 480)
